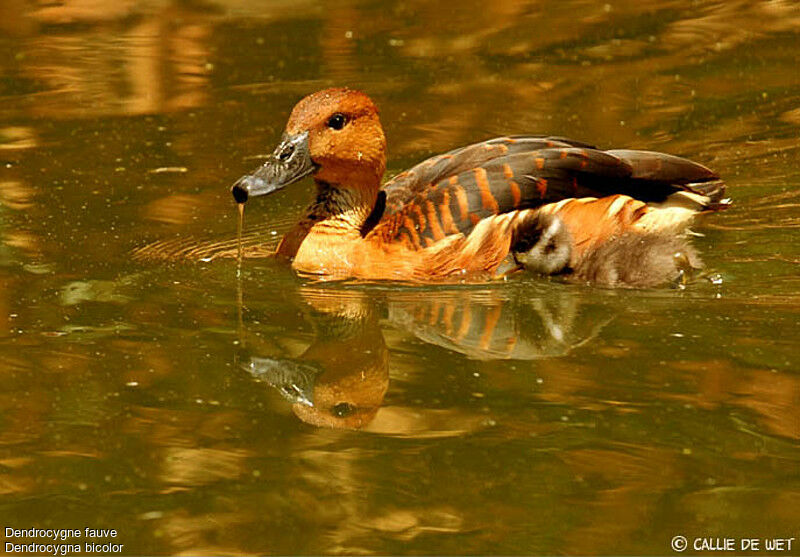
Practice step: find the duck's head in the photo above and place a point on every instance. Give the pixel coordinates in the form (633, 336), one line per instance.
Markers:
(334, 134)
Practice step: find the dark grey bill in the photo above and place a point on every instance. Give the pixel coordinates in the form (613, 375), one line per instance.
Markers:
(293, 379)
(290, 162)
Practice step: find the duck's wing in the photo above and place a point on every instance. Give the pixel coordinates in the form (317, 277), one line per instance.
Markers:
(451, 195)
(404, 187)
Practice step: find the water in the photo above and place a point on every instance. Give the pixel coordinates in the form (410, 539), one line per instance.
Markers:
(239, 240)
(151, 388)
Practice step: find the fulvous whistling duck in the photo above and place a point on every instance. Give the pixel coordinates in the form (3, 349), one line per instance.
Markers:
(341, 379)
(546, 204)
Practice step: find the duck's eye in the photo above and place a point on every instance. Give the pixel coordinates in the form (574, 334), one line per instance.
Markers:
(342, 410)
(337, 121)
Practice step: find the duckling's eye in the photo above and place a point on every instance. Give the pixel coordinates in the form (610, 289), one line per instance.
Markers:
(342, 410)
(337, 121)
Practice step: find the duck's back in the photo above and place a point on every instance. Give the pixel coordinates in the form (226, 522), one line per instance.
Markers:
(451, 193)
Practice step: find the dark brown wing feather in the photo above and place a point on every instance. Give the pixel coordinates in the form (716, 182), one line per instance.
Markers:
(405, 186)
(451, 193)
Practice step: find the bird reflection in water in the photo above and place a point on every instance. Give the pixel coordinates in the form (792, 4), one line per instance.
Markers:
(341, 379)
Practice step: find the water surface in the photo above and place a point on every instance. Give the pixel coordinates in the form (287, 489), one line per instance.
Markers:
(147, 389)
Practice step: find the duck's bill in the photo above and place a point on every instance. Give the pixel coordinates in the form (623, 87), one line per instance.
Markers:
(293, 379)
(290, 162)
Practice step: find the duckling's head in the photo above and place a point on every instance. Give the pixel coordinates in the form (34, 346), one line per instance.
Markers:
(334, 134)
(543, 245)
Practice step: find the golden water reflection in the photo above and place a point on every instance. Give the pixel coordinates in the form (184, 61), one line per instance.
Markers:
(520, 418)
(341, 379)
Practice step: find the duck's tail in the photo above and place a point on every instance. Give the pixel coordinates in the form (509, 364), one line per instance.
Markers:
(668, 181)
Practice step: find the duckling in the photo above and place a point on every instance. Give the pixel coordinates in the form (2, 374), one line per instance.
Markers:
(641, 261)
(543, 247)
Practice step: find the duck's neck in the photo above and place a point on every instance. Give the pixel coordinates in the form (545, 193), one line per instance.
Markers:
(342, 210)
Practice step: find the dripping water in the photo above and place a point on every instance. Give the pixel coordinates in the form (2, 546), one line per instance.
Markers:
(239, 259)
(240, 243)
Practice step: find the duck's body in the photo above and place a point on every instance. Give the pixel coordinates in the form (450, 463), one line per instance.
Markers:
(551, 205)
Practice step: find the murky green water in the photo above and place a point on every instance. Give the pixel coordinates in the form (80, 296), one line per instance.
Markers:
(150, 393)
